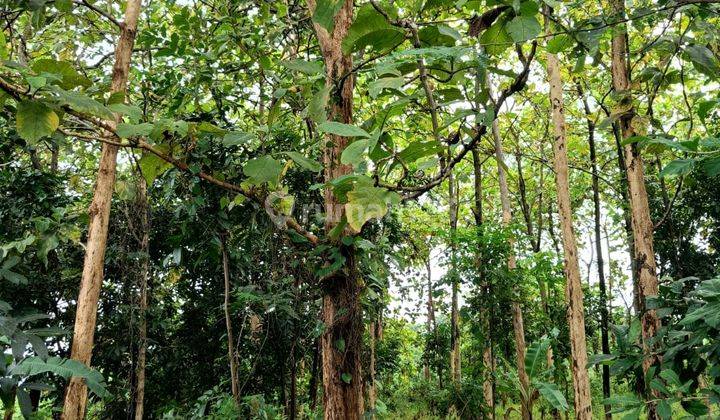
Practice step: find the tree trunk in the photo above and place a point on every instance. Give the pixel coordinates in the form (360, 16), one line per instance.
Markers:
(453, 207)
(430, 315)
(143, 211)
(99, 212)
(342, 314)
(372, 391)
(573, 287)
(517, 318)
(642, 226)
(314, 375)
(487, 357)
(604, 333)
(232, 355)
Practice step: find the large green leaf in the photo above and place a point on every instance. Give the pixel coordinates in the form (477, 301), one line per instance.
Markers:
(325, 11)
(678, 167)
(84, 104)
(536, 356)
(552, 394)
(496, 39)
(127, 131)
(263, 169)
(35, 120)
(377, 86)
(353, 153)
(523, 28)
(344, 130)
(68, 77)
(370, 28)
(366, 201)
(153, 166)
(307, 67)
(703, 60)
(309, 164)
(63, 367)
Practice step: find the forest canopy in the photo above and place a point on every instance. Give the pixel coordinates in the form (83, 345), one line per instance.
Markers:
(402, 209)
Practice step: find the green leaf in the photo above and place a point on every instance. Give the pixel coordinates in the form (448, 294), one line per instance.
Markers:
(307, 67)
(152, 166)
(365, 202)
(370, 28)
(419, 149)
(63, 367)
(344, 130)
(133, 112)
(553, 395)
(559, 44)
(325, 11)
(68, 77)
(694, 407)
(496, 39)
(83, 104)
(318, 102)
(48, 244)
(309, 164)
(600, 359)
(678, 167)
(263, 169)
(536, 356)
(236, 138)
(664, 410)
(346, 377)
(377, 86)
(703, 60)
(13, 277)
(35, 120)
(3, 47)
(126, 131)
(523, 28)
(353, 153)
(64, 5)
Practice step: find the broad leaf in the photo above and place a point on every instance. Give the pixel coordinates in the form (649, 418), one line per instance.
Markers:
(35, 120)
(309, 164)
(344, 130)
(523, 28)
(263, 169)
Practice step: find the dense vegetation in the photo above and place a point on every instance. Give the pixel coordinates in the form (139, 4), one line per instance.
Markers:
(371, 209)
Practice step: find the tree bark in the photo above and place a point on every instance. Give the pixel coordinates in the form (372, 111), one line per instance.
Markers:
(232, 355)
(342, 314)
(517, 317)
(372, 391)
(99, 212)
(487, 356)
(142, 205)
(573, 287)
(430, 315)
(604, 333)
(453, 207)
(642, 226)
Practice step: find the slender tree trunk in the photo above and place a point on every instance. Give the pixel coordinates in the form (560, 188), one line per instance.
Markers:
(604, 333)
(517, 317)
(99, 212)
(142, 205)
(487, 357)
(342, 313)
(573, 287)
(642, 226)
(314, 375)
(455, 313)
(430, 315)
(372, 391)
(232, 355)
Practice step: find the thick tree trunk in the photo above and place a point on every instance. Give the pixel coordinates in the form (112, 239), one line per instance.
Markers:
(453, 207)
(487, 356)
(604, 333)
(143, 211)
(99, 212)
(517, 317)
(573, 287)
(642, 226)
(232, 355)
(342, 314)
